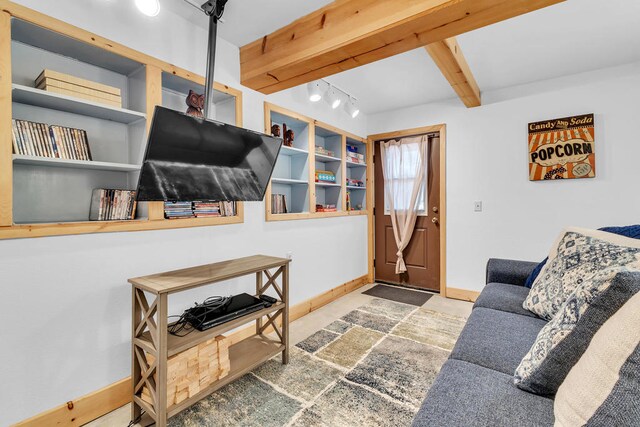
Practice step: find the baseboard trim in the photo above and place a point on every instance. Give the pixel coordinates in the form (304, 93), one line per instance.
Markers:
(85, 409)
(462, 294)
(98, 403)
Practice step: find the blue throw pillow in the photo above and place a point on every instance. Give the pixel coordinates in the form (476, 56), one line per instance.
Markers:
(632, 231)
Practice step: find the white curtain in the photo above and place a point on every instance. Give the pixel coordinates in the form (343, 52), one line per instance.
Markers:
(404, 168)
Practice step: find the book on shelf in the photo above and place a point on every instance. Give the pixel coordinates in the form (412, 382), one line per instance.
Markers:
(325, 176)
(278, 204)
(111, 204)
(198, 209)
(42, 140)
(326, 208)
(65, 84)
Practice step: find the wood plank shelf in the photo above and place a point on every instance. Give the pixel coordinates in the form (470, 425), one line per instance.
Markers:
(289, 181)
(325, 158)
(73, 164)
(355, 165)
(176, 344)
(244, 357)
(327, 184)
(292, 151)
(355, 187)
(54, 101)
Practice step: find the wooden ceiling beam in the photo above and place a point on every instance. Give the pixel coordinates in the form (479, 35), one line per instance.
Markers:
(349, 33)
(449, 58)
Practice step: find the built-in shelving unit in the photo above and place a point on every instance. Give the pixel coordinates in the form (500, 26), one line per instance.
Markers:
(42, 196)
(357, 196)
(316, 147)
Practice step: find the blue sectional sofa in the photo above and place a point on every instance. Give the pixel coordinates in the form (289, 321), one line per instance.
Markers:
(475, 386)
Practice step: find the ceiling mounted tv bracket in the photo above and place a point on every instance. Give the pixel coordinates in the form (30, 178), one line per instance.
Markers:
(214, 10)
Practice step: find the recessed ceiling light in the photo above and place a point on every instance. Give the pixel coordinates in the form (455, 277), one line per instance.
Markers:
(149, 7)
(315, 94)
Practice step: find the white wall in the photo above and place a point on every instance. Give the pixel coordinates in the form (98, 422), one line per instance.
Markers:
(487, 160)
(65, 306)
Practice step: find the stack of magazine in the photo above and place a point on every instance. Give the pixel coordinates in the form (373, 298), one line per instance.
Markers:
(176, 210)
(198, 209)
(42, 140)
(109, 205)
(278, 204)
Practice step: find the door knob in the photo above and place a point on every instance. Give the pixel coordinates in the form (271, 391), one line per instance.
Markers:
(435, 209)
(434, 220)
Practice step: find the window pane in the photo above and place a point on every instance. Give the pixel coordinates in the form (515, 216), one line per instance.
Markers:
(401, 167)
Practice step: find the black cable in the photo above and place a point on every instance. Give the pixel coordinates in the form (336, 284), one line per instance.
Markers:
(137, 420)
(194, 317)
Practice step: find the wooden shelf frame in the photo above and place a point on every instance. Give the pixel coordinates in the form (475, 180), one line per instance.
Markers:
(154, 68)
(150, 336)
(270, 108)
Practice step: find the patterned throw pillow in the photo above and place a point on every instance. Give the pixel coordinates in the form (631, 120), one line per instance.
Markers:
(565, 338)
(602, 389)
(577, 256)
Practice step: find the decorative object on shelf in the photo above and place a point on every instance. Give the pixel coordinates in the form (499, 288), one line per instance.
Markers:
(42, 140)
(288, 134)
(324, 151)
(195, 103)
(326, 208)
(278, 204)
(275, 130)
(65, 84)
(562, 148)
(325, 176)
(354, 182)
(193, 370)
(353, 156)
(348, 200)
(110, 205)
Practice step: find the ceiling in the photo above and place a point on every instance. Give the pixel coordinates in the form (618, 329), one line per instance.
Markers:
(565, 39)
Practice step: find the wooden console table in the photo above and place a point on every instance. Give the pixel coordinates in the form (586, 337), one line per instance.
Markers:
(150, 336)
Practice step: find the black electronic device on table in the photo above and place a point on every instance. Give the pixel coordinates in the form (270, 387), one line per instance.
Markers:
(203, 318)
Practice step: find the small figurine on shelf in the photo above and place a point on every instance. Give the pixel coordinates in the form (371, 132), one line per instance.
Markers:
(288, 135)
(195, 103)
(275, 130)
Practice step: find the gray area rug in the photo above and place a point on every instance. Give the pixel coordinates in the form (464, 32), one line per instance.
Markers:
(398, 294)
(372, 367)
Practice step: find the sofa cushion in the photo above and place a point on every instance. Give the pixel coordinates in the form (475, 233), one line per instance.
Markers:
(632, 231)
(465, 394)
(496, 339)
(504, 297)
(602, 388)
(565, 338)
(578, 255)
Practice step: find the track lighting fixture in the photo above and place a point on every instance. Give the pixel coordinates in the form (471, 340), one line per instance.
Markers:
(315, 93)
(148, 7)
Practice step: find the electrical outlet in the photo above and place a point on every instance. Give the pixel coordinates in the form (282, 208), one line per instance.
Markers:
(477, 206)
(289, 255)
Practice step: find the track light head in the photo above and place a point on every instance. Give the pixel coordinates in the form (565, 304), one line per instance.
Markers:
(333, 97)
(315, 93)
(352, 108)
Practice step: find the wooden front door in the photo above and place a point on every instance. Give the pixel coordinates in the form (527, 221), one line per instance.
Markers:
(422, 255)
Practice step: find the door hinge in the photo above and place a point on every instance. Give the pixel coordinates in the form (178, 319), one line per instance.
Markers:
(374, 211)
(374, 262)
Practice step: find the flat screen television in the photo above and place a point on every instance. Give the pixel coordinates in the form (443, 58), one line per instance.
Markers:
(189, 158)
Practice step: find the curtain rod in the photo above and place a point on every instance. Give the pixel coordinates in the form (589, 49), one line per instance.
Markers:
(410, 136)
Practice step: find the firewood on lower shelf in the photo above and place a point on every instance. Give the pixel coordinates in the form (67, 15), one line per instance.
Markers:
(193, 370)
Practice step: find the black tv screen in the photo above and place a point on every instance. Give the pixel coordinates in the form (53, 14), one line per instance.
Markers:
(189, 158)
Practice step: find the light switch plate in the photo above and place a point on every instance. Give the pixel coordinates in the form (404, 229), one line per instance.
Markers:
(477, 206)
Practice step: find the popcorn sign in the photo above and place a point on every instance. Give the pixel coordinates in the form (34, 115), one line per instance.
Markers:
(562, 148)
